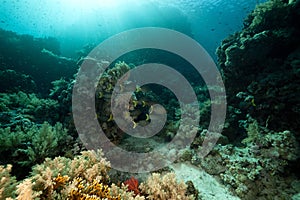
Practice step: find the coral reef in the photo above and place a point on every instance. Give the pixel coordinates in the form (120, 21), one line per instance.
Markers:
(140, 104)
(263, 105)
(25, 109)
(29, 141)
(164, 187)
(30, 131)
(44, 142)
(7, 182)
(83, 190)
(259, 169)
(12, 81)
(25, 147)
(59, 178)
(257, 158)
(104, 91)
(260, 65)
(85, 177)
(61, 92)
(133, 185)
(37, 57)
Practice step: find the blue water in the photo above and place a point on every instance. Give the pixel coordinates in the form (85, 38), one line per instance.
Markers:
(75, 23)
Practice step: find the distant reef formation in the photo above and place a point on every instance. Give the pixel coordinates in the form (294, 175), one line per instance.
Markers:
(261, 68)
(37, 62)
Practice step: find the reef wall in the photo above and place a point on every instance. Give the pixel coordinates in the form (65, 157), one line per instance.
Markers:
(261, 68)
(37, 62)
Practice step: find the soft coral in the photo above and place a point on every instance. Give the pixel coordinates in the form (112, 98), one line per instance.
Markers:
(133, 185)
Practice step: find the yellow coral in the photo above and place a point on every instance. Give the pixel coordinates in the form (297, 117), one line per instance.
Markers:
(91, 191)
(60, 181)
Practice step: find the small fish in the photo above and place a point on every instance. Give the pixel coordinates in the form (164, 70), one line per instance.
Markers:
(151, 109)
(134, 124)
(135, 103)
(144, 103)
(100, 95)
(110, 87)
(253, 103)
(138, 89)
(111, 118)
(147, 117)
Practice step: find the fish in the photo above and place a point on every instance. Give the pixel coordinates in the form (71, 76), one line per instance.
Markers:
(111, 118)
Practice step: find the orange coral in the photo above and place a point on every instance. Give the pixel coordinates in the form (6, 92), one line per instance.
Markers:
(133, 185)
(91, 191)
(60, 181)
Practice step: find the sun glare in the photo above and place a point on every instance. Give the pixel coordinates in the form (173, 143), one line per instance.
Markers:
(88, 4)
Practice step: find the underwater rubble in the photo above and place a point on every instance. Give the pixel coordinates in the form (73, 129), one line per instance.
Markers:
(257, 157)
